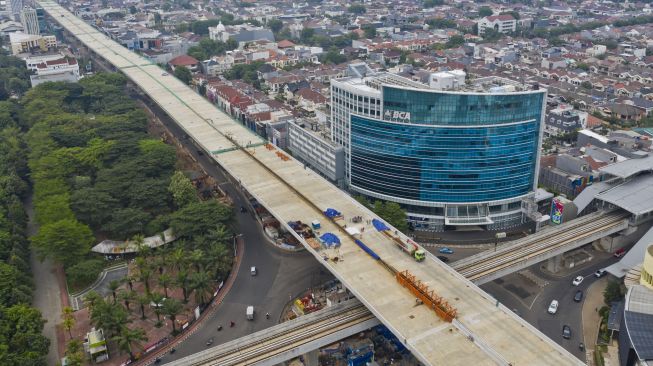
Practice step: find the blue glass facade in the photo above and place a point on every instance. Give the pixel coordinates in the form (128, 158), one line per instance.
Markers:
(447, 147)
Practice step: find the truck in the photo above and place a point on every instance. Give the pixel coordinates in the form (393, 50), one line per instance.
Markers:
(250, 313)
(410, 247)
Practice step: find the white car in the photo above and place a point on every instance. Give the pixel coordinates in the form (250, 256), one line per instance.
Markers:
(577, 280)
(553, 308)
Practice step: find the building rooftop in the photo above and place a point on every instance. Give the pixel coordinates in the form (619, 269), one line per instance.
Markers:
(629, 167)
(638, 319)
(635, 196)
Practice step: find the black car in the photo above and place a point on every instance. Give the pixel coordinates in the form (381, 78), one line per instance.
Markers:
(566, 332)
(443, 258)
(579, 296)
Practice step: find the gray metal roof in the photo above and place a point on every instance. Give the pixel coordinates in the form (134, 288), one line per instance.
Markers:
(635, 196)
(589, 193)
(638, 319)
(634, 257)
(629, 167)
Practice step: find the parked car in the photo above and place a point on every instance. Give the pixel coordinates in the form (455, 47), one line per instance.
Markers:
(553, 308)
(566, 332)
(577, 281)
(579, 296)
(252, 271)
(600, 273)
(620, 253)
(446, 250)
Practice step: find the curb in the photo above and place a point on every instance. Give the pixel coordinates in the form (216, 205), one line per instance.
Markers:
(211, 309)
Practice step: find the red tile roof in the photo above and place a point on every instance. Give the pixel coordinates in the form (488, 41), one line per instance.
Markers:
(183, 60)
(285, 44)
(502, 17)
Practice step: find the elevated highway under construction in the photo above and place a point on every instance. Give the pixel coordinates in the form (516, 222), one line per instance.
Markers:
(470, 327)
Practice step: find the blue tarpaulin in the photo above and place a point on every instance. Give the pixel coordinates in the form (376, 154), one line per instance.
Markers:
(378, 225)
(330, 239)
(331, 213)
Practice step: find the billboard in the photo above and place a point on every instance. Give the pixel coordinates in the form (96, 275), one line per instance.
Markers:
(557, 208)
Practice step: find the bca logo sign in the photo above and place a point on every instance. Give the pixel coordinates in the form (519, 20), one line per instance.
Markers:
(404, 116)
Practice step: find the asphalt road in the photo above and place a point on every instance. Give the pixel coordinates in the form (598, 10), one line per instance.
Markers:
(569, 311)
(281, 275)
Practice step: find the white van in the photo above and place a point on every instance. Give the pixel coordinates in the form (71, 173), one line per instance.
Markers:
(253, 271)
(250, 313)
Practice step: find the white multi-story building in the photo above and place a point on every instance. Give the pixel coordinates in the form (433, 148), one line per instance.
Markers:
(504, 23)
(55, 67)
(323, 156)
(30, 21)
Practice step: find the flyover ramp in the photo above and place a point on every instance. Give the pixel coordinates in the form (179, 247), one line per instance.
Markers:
(483, 333)
(547, 243)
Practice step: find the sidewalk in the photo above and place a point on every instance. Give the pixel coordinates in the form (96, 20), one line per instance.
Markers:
(590, 316)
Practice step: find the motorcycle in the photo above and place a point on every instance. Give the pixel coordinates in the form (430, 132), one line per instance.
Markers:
(209, 342)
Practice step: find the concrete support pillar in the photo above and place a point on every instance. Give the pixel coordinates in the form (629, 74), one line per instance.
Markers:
(312, 358)
(554, 264)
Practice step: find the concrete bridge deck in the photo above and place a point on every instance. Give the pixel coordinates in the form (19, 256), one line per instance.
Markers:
(484, 332)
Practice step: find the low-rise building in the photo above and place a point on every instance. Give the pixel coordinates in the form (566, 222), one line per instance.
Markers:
(22, 42)
(56, 67)
(318, 153)
(504, 23)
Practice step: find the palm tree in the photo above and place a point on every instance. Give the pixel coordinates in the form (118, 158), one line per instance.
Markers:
(220, 259)
(142, 301)
(144, 274)
(127, 337)
(127, 297)
(196, 257)
(91, 299)
(68, 320)
(220, 234)
(178, 257)
(164, 281)
(139, 242)
(74, 353)
(113, 286)
(200, 282)
(172, 308)
(157, 299)
(182, 282)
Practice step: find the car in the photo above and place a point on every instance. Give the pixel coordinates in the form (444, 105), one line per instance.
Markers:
(243, 209)
(252, 271)
(577, 281)
(566, 332)
(600, 273)
(446, 250)
(443, 258)
(553, 308)
(620, 253)
(164, 74)
(579, 296)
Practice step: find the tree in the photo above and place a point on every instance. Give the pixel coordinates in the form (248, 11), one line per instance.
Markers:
(333, 56)
(183, 73)
(144, 274)
(614, 291)
(127, 338)
(357, 9)
(172, 308)
(21, 341)
(164, 281)
(74, 353)
(432, 3)
(484, 11)
(182, 189)
(455, 41)
(68, 320)
(127, 297)
(586, 85)
(275, 25)
(370, 31)
(65, 241)
(157, 300)
(113, 287)
(200, 282)
(306, 35)
(132, 9)
(199, 217)
(142, 301)
(182, 281)
(84, 272)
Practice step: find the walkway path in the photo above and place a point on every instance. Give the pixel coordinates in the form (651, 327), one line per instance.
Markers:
(47, 294)
(590, 316)
(100, 286)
